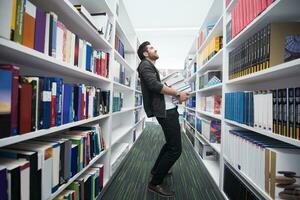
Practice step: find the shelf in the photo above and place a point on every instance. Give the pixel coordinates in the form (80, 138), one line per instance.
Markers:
(119, 133)
(249, 181)
(190, 125)
(138, 107)
(76, 23)
(123, 110)
(121, 87)
(215, 146)
(216, 31)
(192, 62)
(278, 11)
(213, 167)
(193, 92)
(119, 151)
(64, 186)
(212, 88)
(230, 6)
(95, 6)
(124, 38)
(192, 77)
(122, 61)
(216, 116)
(16, 53)
(266, 133)
(214, 63)
(288, 70)
(138, 91)
(20, 138)
(192, 109)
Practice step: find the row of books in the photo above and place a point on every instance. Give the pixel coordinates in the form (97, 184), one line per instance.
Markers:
(29, 25)
(121, 75)
(245, 11)
(210, 78)
(191, 102)
(211, 104)
(138, 99)
(35, 169)
(191, 71)
(273, 166)
(276, 111)
(99, 21)
(138, 83)
(119, 46)
(203, 33)
(212, 48)
(274, 44)
(87, 186)
(118, 101)
(210, 129)
(190, 117)
(193, 86)
(33, 103)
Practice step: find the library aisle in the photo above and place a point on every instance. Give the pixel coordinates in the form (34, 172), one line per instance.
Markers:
(190, 179)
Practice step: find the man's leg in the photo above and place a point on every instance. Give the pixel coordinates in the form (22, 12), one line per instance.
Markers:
(162, 151)
(171, 129)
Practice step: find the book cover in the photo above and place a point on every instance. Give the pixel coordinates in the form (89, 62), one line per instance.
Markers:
(25, 105)
(6, 15)
(52, 34)
(40, 28)
(29, 25)
(46, 103)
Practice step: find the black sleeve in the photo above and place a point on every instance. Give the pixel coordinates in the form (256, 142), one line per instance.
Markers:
(148, 75)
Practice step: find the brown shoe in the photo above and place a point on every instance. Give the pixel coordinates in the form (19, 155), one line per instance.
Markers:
(160, 190)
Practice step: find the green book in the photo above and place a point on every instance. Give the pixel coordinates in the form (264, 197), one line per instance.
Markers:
(19, 21)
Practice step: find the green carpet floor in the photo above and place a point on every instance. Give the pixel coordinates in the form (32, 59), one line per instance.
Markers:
(190, 179)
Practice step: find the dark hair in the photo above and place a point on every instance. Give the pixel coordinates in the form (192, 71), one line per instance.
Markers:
(142, 48)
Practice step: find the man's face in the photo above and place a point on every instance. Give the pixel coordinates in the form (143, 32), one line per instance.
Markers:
(151, 53)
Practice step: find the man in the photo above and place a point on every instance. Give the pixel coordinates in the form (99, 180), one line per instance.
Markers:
(155, 95)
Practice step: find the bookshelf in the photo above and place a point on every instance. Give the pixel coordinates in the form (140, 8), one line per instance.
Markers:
(284, 75)
(34, 63)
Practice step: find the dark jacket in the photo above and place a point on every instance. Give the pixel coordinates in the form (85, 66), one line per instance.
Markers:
(154, 101)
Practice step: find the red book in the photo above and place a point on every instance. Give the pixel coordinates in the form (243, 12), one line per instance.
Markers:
(106, 64)
(258, 7)
(263, 5)
(14, 96)
(269, 2)
(53, 104)
(25, 107)
(83, 105)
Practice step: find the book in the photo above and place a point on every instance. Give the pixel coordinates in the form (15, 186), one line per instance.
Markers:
(91, 20)
(3, 182)
(7, 10)
(39, 32)
(101, 21)
(29, 25)
(9, 101)
(25, 107)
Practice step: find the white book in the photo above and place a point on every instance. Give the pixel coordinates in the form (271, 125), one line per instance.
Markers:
(45, 164)
(72, 54)
(83, 64)
(24, 167)
(68, 46)
(55, 162)
(80, 54)
(101, 21)
(108, 31)
(6, 9)
(255, 103)
(270, 111)
(59, 41)
(47, 33)
(83, 11)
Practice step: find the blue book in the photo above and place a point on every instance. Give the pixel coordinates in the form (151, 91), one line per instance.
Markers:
(87, 104)
(71, 110)
(46, 103)
(88, 57)
(53, 33)
(3, 183)
(66, 102)
(74, 158)
(58, 99)
(6, 77)
(77, 101)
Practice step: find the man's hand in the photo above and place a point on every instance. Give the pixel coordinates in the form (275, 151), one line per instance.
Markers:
(183, 96)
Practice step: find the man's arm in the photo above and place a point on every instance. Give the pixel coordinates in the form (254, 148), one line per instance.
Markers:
(183, 96)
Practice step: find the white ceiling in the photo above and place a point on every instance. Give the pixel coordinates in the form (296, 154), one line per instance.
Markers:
(170, 25)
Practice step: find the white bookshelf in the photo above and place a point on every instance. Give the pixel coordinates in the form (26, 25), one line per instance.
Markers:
(284, 75)
(34, 63)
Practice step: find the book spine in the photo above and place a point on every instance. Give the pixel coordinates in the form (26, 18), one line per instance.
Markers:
(275, 111)
(40, 27)
(53, 103)
(284, 112)
(25, 108)
(19, 21)
(297, 113)
(291, 112)
(29, 25)
(15, 98)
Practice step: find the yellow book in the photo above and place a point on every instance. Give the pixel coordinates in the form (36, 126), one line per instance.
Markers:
(13, 19)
